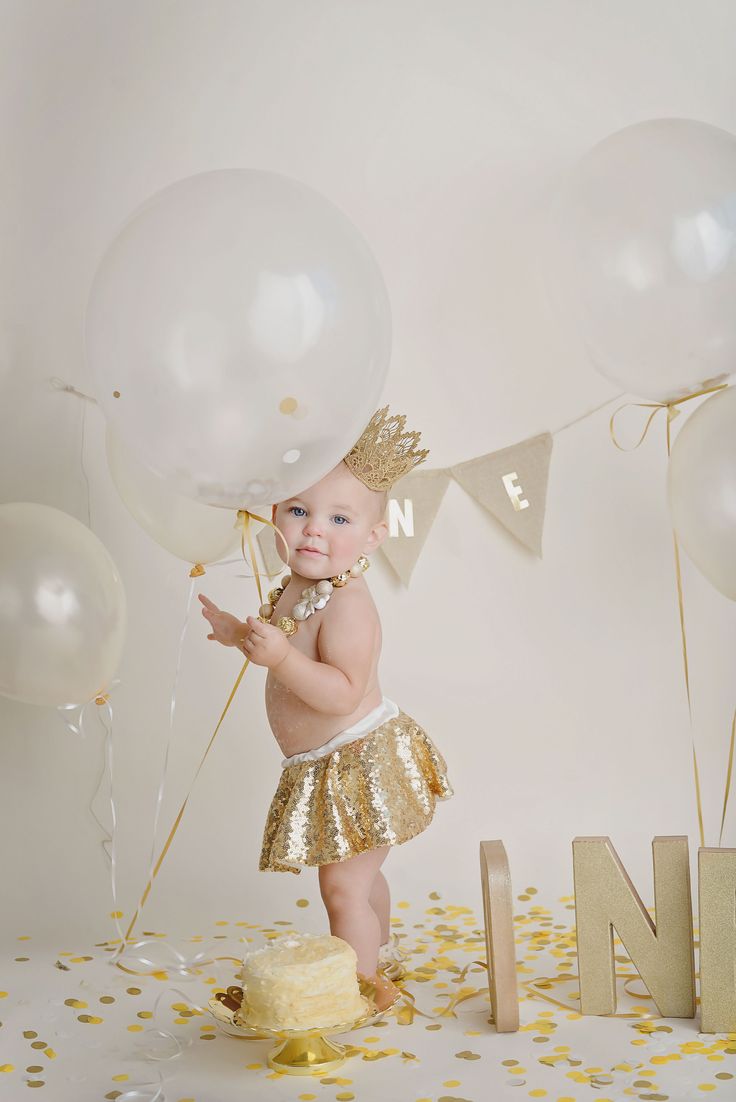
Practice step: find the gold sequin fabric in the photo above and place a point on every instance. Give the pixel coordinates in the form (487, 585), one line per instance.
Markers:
(376, 791)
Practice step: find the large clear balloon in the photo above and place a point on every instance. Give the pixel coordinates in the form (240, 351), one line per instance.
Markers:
(238, 331)
(701, 484)
(642, 256)
(62, 608)
(194, 532)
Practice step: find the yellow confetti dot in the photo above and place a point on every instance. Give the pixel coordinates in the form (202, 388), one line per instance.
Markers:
(76, 1003)
(307, 1097)
(451, 1083)
(3, 994)
(135, 1028)
(7, 1067)
(122, 1078)
(116, 914)
(539, 1092)
(287, 405)
(706, 1086)
(302, 902)
(345, 1096)
(49, 1053)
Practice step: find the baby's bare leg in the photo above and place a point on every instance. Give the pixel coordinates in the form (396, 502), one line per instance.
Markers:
(345, 887)
(380, 901)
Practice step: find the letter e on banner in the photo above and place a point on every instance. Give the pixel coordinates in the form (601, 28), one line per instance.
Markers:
(514, 492)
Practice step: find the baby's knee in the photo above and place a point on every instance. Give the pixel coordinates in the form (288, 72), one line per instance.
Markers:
(341, 887)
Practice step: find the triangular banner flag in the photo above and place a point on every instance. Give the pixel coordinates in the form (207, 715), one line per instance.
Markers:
(512, 485)
(412, 506)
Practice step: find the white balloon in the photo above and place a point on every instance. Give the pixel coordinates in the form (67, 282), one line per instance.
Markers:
(238, 331)
(62, 608)
(641, 256)
(194, 532)
(701, 485)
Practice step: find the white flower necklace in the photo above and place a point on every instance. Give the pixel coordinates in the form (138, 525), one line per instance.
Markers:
(313, 597)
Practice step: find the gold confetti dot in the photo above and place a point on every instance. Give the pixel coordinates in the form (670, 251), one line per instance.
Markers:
(35, 1083)
(89, 1019)
(76, 1003)
(133, 990)
(144, 1014)
(38, 1044)
(107, 999)
(34, 1068)
(287, 405)
(29, 1034)
(302, 902)
(116, 394)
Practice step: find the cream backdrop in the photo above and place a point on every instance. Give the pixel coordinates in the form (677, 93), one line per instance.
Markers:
(553, 686)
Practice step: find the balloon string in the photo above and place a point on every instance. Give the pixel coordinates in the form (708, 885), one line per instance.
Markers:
(167, 751)
(671, 408)
(244, 516)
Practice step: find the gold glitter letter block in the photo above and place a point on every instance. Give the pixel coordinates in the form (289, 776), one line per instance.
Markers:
(498, 908)
(605, 897)
(716, 895)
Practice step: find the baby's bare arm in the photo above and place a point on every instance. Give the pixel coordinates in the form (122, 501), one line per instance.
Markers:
(336, 683)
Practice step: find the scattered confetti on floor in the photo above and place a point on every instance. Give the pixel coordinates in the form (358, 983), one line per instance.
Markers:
(76, 1027)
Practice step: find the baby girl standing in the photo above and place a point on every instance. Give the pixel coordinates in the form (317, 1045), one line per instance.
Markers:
(359, 775)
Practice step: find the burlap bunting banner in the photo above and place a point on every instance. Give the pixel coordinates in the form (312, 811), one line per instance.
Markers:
(511, 484)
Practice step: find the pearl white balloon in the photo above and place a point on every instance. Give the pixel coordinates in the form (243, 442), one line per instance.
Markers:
(701, 485)
(62, 608)
(641, 256)
(238, 333)
(194, 532)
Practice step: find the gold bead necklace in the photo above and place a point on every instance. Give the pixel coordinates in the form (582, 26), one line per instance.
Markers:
(313, 597)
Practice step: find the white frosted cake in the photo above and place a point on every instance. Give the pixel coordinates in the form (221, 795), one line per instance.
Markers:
(302, 981)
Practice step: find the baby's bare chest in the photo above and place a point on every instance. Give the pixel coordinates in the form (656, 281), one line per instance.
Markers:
(295, 725)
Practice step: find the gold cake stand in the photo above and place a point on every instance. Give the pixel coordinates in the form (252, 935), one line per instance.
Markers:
(301, 1051)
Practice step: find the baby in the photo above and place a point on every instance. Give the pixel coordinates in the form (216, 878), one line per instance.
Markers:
(359, 775)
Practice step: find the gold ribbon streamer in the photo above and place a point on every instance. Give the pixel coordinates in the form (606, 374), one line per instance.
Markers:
(244, 516)
(672, 412)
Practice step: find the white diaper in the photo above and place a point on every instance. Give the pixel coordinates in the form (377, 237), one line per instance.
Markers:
(383, 711)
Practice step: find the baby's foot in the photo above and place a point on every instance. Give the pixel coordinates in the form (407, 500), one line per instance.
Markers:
(380, 989)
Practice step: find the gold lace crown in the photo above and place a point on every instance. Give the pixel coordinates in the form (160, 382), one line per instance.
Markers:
(384, 451)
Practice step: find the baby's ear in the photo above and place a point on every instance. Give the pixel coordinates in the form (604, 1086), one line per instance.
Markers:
(377, 535)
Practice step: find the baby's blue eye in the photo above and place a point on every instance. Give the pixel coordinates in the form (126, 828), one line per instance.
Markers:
(338, 516)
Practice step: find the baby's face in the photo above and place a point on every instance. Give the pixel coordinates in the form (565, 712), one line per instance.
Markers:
(338, 517)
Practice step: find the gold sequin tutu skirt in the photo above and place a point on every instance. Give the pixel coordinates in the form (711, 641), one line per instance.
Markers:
(376, 790)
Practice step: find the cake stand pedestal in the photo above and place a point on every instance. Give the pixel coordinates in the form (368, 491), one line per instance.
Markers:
(301, 1051)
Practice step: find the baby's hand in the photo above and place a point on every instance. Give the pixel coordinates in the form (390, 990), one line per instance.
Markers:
(266, 645)
(226, 629)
